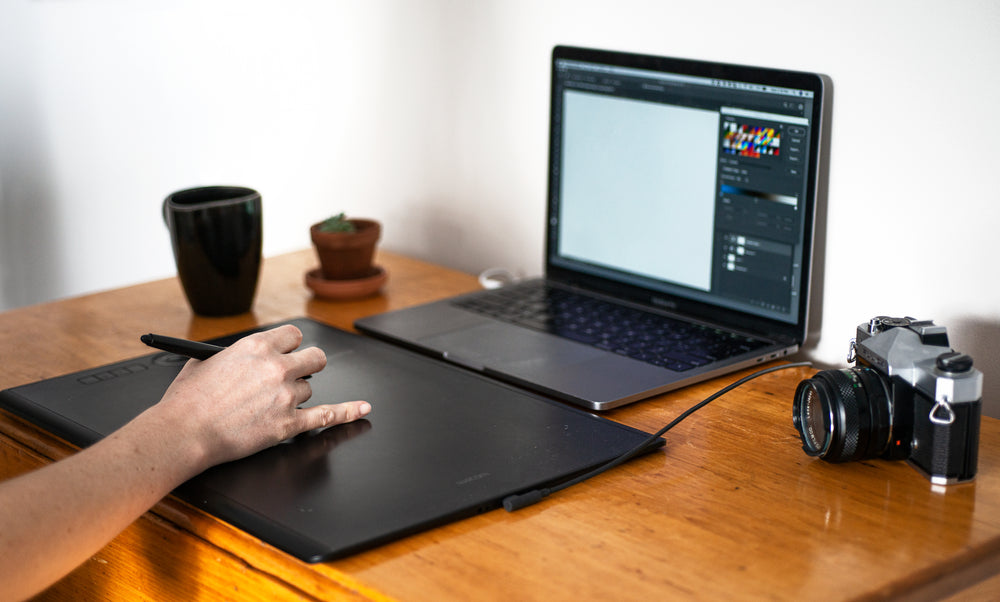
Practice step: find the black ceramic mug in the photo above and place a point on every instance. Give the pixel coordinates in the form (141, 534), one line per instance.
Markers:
(216, 235)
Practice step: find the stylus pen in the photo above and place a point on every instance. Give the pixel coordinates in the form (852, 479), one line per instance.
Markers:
(192, 349)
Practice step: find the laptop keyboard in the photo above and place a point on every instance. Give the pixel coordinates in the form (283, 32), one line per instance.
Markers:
(640, 335)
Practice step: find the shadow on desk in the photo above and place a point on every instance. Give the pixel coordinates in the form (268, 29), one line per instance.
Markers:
(977, 337)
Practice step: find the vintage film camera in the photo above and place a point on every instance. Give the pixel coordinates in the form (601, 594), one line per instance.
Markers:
(909, 396)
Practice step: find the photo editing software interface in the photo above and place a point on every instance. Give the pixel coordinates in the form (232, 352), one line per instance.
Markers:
(692, 186)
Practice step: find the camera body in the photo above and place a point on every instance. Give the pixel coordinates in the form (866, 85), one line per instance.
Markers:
(909, 397)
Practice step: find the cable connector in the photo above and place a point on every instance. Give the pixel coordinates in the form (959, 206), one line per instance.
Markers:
(523, 500)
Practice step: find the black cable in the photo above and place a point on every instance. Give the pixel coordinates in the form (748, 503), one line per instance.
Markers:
(522, 500)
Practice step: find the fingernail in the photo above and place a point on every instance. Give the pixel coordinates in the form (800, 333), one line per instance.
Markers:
(365, 408)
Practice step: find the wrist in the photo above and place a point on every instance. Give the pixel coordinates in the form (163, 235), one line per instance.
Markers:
(167, 443)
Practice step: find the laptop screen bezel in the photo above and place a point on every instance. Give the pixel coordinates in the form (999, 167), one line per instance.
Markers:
(672, 303)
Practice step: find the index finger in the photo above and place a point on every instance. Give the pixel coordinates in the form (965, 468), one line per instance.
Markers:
(306, 361)
(284, 338)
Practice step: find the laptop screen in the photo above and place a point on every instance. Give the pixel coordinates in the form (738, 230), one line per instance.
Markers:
(686, 179)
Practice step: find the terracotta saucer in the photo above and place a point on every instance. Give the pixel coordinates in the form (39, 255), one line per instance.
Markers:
(346, 289)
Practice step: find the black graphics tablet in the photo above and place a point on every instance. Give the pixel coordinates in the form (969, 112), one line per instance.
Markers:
(442, 443)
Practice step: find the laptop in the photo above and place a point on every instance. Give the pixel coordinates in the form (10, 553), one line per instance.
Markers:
(679, 234)
(440, 444)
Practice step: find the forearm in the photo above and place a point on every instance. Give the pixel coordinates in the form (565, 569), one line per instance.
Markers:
(55, 518)
(245, 399)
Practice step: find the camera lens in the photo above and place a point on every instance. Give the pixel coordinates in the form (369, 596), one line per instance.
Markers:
(814, 420)
(843, 415)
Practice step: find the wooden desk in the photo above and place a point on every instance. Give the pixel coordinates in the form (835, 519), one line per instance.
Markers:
(731, 509)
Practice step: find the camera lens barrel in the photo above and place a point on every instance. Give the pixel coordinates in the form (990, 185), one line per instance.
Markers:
(843, 415)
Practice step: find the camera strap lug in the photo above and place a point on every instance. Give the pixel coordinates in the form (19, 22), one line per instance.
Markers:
(942, 405)
(852, 351)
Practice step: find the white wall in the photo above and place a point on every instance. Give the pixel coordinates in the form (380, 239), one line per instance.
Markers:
(110, 105)
(431, 116)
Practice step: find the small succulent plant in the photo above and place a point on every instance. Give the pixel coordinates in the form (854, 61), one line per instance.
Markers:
(337, 223)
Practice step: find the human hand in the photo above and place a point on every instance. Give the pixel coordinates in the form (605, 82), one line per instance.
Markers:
(246, 398)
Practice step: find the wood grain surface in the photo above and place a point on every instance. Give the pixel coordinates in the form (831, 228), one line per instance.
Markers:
(731, 508)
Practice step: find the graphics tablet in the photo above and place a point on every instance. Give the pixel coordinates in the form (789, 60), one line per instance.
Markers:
(442, 443)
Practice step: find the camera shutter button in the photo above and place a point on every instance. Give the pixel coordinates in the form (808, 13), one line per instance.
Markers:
(954, 362)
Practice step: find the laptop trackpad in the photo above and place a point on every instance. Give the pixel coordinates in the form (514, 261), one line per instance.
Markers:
(493, 345)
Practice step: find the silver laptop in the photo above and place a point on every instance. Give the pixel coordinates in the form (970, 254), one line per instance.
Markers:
(679, 227)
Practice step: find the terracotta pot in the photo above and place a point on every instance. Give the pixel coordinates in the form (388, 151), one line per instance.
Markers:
(346, 255)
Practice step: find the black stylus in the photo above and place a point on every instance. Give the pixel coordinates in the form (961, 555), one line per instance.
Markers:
(192, 349)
